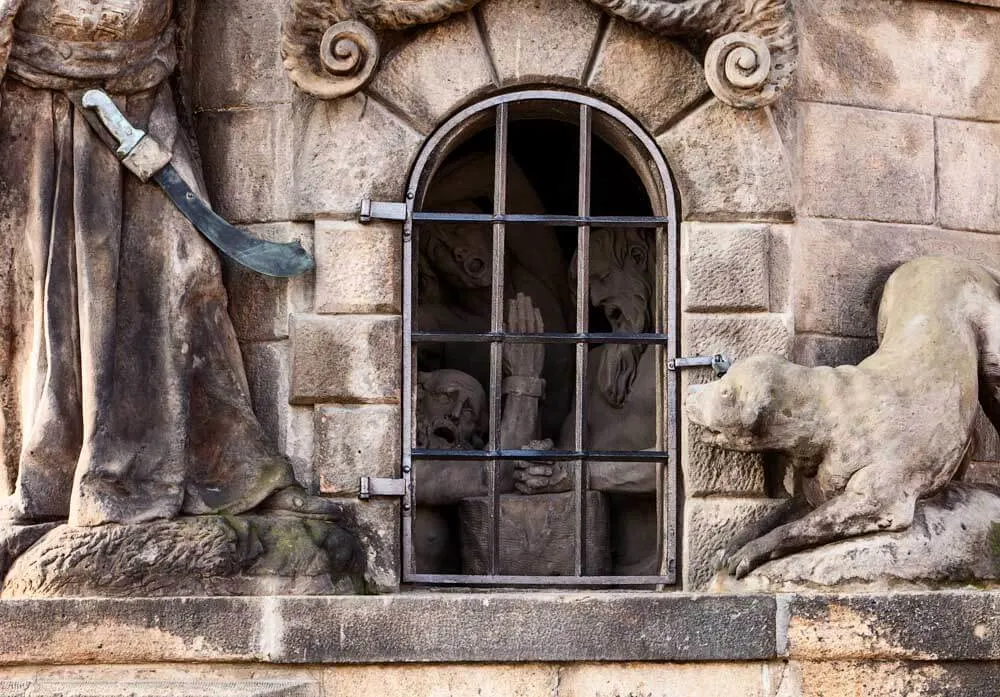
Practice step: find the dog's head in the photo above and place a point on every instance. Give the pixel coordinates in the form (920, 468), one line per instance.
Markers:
(738, 411)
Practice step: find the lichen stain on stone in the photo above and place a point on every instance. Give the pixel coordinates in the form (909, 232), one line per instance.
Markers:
(857, 58)
(108, 641)
(863, 678)
(846, 632)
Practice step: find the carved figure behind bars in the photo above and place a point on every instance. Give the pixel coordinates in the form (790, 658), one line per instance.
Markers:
(620, 400)
(868, 441)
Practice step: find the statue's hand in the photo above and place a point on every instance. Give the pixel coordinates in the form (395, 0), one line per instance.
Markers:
(541, 477)
(523, 360)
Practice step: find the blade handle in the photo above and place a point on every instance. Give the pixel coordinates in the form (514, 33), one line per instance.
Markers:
(127, 135)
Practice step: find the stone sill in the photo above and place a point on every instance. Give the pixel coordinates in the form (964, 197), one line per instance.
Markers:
(503, 627)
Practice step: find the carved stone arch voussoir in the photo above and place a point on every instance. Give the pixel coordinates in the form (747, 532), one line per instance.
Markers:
(331, 47)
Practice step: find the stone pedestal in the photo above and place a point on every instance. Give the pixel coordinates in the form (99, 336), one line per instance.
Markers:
(537, 534)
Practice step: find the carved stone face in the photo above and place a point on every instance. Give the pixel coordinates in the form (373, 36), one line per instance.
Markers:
(461, 254)
(621, 284)
(450, 407)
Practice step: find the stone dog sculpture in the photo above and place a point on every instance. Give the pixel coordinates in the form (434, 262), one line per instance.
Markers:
(868, 441)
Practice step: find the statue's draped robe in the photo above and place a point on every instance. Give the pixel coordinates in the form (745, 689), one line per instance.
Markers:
(130, 396)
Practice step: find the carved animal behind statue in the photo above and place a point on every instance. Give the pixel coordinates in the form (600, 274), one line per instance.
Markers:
(868, 441)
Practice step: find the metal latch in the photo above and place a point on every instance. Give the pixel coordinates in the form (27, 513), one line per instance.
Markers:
(381, 486)
(381, 210)
(718, 363)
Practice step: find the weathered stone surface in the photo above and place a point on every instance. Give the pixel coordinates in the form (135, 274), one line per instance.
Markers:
(17, 539)
(709, 525)
(379, 532)
(348, 149)
(890, 679)
(358, 267)
(780, 269)
(204, 555)
(99, 630)
(653, 77)
(839, 268)
(725, 267)
(539, 626)
(928, 57)
(540, 40)
(737, 336)
(711, 471)
(863, 164)
(987, 440)
(259, 305)
(266, 366)
(429, 76)
(969, 174)
(819, 349)
(952, 540)
(443, 681)
(247, 158)
(299, 445)
(236, 56)
(939, 625)
(729, 165)
(353, 442)
(982, 473)
(667, 680)
(345, 358)
(84, 687)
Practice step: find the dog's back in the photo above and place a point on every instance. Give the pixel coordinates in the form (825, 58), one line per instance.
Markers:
(975, 294)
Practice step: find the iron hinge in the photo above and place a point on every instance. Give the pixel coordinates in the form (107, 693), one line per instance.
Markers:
(718, 363)
(381, 486)
(381, 210)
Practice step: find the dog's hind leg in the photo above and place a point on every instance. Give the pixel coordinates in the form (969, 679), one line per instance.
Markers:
(859, 510)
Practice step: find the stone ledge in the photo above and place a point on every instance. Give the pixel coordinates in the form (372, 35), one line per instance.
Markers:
(421, 627)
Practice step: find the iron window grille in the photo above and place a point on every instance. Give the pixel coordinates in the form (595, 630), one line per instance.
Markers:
(632, 142)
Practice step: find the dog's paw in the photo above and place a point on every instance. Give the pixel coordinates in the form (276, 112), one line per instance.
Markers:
(747, 558)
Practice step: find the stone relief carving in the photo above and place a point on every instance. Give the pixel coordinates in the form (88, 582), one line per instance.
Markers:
(875, 447)
(331, 48)
(136, 450)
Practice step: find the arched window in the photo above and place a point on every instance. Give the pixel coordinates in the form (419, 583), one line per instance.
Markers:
(540, 281)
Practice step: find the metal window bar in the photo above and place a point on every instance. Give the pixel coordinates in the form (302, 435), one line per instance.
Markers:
(664, 454)
(640, 221)
(497, 326)
(582, 321)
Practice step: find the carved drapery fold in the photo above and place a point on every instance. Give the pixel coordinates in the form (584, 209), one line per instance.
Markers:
(331, 48)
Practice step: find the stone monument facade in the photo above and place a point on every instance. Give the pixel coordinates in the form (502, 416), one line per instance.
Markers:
(205, 468)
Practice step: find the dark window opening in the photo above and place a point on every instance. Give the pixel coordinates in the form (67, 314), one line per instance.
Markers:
(541, 281)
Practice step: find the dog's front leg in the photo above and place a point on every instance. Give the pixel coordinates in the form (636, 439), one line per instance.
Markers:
(848, 515)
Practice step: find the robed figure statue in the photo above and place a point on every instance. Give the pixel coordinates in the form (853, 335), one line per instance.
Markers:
(123, 394)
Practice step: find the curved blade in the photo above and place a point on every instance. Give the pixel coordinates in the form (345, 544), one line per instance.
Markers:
(278, 259)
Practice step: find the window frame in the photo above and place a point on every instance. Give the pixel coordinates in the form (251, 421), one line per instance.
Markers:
(646, 159)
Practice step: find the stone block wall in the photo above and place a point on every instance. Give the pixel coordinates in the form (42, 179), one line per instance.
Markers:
(897, 155)
(794, 215)
(888, 148)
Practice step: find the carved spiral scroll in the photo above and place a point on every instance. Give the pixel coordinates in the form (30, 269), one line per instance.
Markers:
(738, 68)
(349, 50)
(342, 63)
